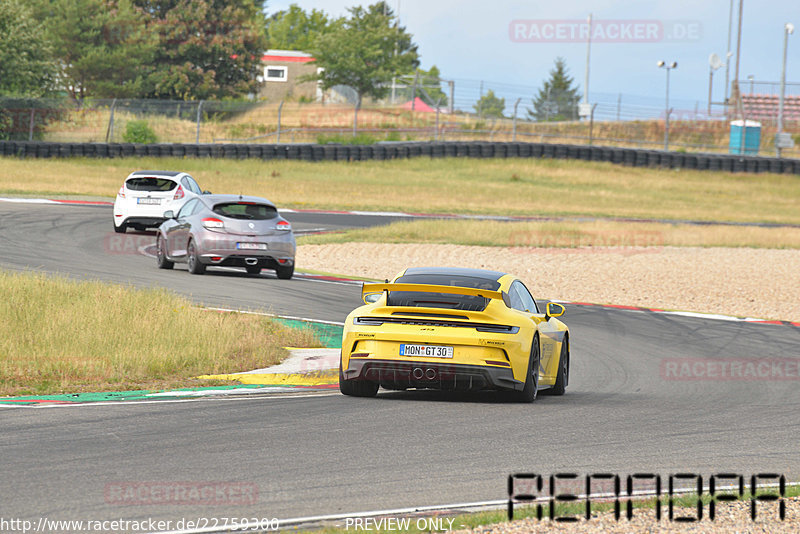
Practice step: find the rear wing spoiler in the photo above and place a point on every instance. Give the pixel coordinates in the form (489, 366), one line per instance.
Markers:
(429, 288)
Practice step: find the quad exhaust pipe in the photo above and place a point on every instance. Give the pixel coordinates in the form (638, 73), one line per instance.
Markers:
(251, 261)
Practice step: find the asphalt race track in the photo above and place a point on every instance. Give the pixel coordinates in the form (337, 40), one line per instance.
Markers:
(323, 453)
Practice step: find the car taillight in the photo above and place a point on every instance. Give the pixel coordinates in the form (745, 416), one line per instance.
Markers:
(210, 222)
(121, 191)
(283, 225)
(179, 194)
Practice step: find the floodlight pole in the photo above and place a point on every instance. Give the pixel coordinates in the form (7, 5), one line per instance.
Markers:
(738, 49)
(588, 54)
(728, 55)
(710, 83)
(669, 67)
(787, 30)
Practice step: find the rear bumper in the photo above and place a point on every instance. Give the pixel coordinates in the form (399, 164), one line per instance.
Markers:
(240, 260)
(225, 245)
(147, 222)
(393, 374)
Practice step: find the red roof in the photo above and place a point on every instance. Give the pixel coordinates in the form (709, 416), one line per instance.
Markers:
(287, 59)
(419, 105)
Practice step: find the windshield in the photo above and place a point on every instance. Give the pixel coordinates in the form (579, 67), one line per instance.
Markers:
(450, 280)
(150, 184)
(246, 210)
(442, 300)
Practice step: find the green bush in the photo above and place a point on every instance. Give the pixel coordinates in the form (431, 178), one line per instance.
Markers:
(6, 126)
(360, 139)
(139, 132)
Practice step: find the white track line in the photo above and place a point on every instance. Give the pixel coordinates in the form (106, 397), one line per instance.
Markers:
(29, 200)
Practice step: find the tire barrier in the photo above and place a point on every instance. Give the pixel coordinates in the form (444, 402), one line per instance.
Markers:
(632, 157)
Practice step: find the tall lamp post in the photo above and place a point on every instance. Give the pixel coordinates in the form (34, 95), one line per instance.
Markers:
(787, 30)
(714, 63)
(669, 67)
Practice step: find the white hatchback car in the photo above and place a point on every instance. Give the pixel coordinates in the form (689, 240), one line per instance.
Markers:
(146, 195)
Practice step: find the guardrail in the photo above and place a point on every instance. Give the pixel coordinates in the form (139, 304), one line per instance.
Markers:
(387, 151)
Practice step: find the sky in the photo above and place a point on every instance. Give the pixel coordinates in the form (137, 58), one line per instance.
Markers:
(511, 45)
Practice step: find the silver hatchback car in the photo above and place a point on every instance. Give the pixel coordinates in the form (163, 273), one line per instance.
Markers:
(227, 230)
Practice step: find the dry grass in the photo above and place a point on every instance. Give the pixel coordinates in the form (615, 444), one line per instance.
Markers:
(565, 234)
(58, 336)
(506, 187)
(91, 125)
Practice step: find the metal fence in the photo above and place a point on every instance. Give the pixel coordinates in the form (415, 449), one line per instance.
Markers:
(625, 122)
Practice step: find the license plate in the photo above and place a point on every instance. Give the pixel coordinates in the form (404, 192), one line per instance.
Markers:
(153, 201)
(427, 351)
(251, 246)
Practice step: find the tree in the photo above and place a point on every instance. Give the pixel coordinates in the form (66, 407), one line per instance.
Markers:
(364, 52)
(294, 29)
(490, 106)
(557, 99)
(429, 87)
(26, 61)
(102, 46)
(206, 48)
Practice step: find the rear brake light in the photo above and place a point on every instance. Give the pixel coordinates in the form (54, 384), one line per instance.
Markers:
(121, 191)
(210, 222)
(179, 194)
(283, 225)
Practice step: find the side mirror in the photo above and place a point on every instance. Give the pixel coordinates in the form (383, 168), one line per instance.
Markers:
(554, 310)
(371, 298)
(169, 214)
(206, 192)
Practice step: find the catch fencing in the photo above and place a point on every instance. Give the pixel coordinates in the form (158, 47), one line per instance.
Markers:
(202, 122)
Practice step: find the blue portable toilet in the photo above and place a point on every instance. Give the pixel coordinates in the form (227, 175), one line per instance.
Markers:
(745, 137)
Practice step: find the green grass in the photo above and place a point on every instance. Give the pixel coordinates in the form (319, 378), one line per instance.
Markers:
(67, 336)
(566, 234)
(497, 186)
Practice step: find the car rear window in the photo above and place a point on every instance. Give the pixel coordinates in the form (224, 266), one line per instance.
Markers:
(246, 210)
(150, 184)
(442, 300)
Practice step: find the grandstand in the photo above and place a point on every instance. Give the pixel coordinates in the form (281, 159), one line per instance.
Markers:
(765, 107)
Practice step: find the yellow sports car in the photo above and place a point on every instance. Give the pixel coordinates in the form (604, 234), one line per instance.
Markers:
(454, 329)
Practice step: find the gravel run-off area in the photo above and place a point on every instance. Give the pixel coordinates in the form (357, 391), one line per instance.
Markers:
(744, 282)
